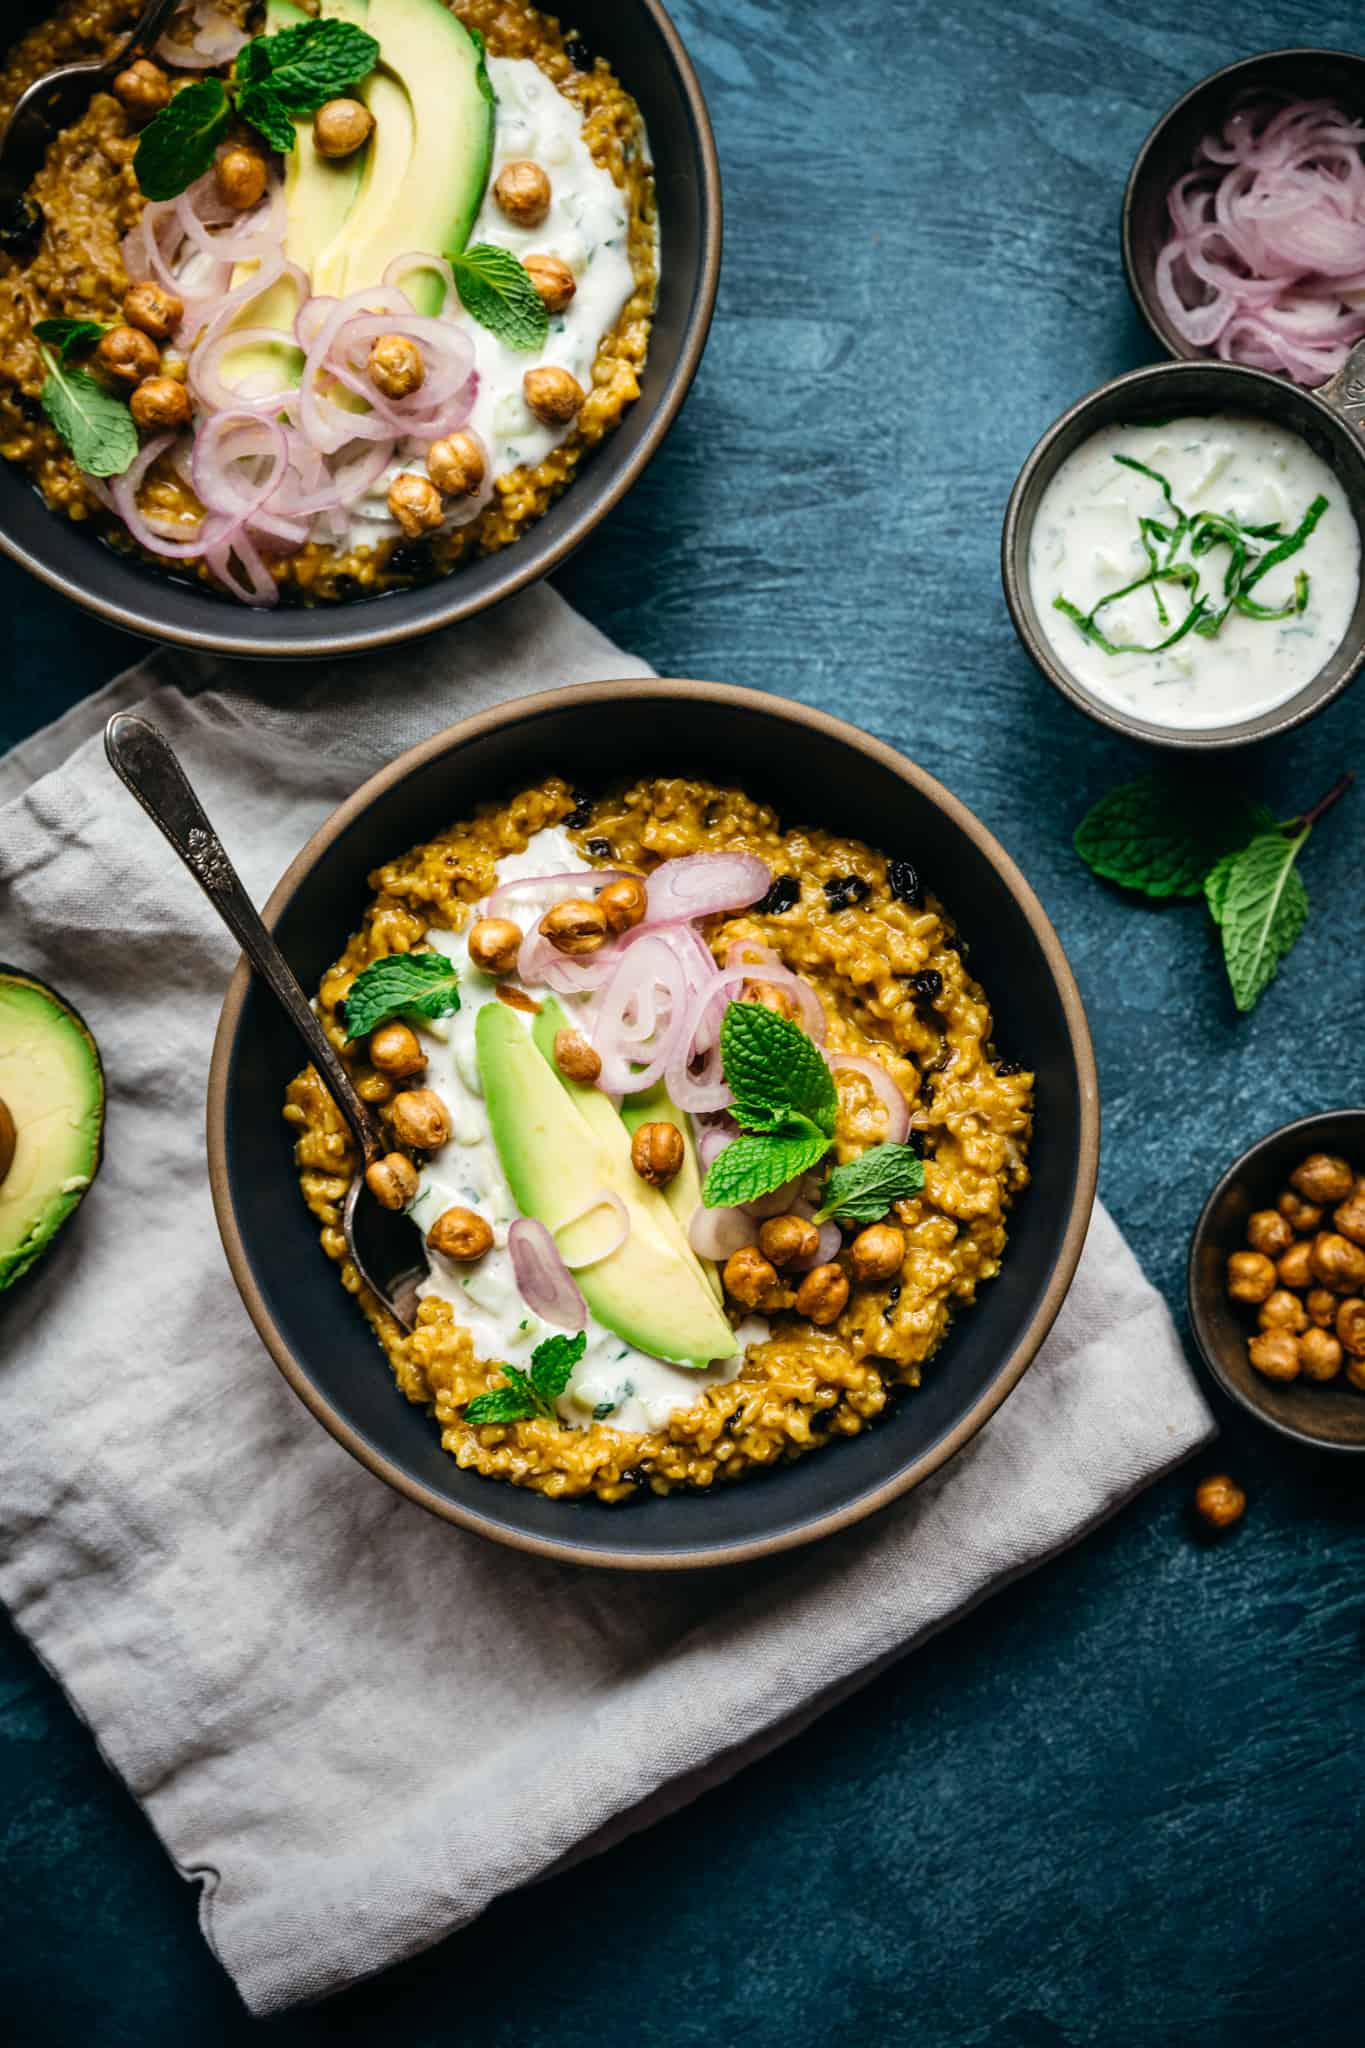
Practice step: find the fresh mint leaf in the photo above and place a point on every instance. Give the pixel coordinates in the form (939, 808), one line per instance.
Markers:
(526, 1396)
(1263, 907)
(864, 1190)
(552, 1364)
(1163, 835)
(409, 985)
(517, 1401)
(258, 105)
(97, 427)
(66, 336)
(775, 1070)
(301, 68)
(180, 144)
(1216, 886)
(497, 291)
(751, 1166)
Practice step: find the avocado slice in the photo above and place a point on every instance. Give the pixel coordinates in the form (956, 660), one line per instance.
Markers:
(52, 1088)
(651, 1291)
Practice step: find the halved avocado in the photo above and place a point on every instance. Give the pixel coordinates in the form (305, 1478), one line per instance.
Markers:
(52, 1089)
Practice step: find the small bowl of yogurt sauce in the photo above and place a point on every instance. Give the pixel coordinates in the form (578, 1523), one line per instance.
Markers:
(1182, 551)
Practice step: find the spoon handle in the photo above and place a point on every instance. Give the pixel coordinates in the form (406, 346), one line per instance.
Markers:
(143, 759)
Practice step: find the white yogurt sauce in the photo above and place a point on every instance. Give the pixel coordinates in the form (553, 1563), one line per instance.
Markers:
(612, 1381)
(1086, 542)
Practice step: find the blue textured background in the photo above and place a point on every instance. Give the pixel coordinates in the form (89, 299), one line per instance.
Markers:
(1123, 1803)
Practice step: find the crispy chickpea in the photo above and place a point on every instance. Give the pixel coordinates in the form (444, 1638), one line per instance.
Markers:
(1321, 1305)
(128, 356)
(1349, 1216)
(1319, 1354)
(1251, 1277)
(419, 1118)
(522, 190)
(494, 944)
(1269, 1232)
(657, 1152)
(749, 1278)
(457, 465)
(143, 89)
(397, 366)
(1283, 1311)
(877, 1253)
(822, 1294)
(552, 279)
(460, 1234)
(1338, 1263)
(788, 1240)
(161, 405)
(241, 177)
(576, 1058)
(396, 1050)
(392, 1181)
(623, 903)
(554, 396)
(1351, 1327)
(415, 503)
(341, 127)
(1275, 1354)
(152, 309)
(1300, 1215)
(1295, 1268)
(1323, 1177)
(769, 996)
(575, 926)
(1219, 1501)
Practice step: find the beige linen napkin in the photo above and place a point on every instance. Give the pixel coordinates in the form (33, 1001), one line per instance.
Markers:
(354, 1725)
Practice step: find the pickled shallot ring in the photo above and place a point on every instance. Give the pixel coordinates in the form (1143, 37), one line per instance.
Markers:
(715, 1233)
(604, 1198)
(888, 1094)
(702, 884)
(569, 882)
(543, 1280)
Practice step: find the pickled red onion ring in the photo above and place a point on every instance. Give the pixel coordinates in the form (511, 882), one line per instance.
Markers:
(715, 1233)
(604, 1198)
(883, 1087)
(543, 1280)
(701, 884)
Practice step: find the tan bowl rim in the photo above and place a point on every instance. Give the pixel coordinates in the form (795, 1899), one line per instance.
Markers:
(1031, 1338)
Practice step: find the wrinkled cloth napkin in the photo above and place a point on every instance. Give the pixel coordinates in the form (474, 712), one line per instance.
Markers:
(354, 1725)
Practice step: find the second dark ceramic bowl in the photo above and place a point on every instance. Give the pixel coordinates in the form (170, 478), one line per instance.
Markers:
(648, 56)
(815, 770)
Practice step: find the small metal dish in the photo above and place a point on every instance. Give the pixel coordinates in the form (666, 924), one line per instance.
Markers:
(1330, 1416)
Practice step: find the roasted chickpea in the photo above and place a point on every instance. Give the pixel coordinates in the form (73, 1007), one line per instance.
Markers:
(1275, 1354)
(822, 1295)
(554, 396)
(575, 926)
(552, 279)
(877, 1253)
(1321, 1304)
(1349, 1216)
(415, 503)
(241, 177)
(576, 1058)
(152, 309)
(396, 1050)
(1295, 1268)
(1269, 1232)
(1351, 1327)
(494, 944)
(161, 405)
(341, 127)
(769, 996)
(393, 1181)
(623, 903)
(1300, 1215)
(657, 1152)
(1324, 1178)
(788, 1240)
(1338, 1263)
(143, 89)
(128, 356)
(1251, 1277)
(1355, 1373)
(1319, 1354)
(1219, 1501)
(460, 1234)
(749, 1278)
(522, 190)
(419, 1119)
(1283, 1311)
(397, 366)
(457, 465)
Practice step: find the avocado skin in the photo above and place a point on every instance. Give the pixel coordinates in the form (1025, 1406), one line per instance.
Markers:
(14, 1264)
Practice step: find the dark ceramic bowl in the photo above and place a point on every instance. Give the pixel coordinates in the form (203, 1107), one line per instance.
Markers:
(645, 51)
(1328, 1416)
(1163, 391)
(813, 768)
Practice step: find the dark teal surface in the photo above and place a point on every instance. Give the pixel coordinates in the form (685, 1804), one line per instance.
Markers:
(1123, 1803)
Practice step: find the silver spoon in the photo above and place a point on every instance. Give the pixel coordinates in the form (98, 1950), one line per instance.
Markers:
(386, 1246)
(52, 102)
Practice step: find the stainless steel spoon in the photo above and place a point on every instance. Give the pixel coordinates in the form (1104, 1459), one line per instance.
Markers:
(52, 102)
(386, 1246)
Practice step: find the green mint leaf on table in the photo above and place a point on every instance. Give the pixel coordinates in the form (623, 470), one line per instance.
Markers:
(1163, 836)
(1263, 907)
(775, 1070)
(301, 68)
(415, 986)
(97, 427)
(527, 1396)
(65, 336)
(758, 1164)
(864, 1190)
(180, 144)
(497, 291)
(259, 106)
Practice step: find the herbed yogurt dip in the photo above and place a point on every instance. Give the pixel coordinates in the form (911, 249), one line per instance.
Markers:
(1104, 523)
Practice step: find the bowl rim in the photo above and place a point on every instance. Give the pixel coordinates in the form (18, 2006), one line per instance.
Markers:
(1280, 718)
(588, 696)
(518, 566)
(1194, 1294)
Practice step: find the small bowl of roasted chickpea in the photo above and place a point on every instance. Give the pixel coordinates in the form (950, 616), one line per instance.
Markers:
(1277, 1280)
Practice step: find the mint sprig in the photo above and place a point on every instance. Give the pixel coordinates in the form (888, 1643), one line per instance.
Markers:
(864, 1190)
(64, 337)
(496, 290)
(414, 986)
(1262, 907)
(785, 1104)
(525, 1397)
(97, 427)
